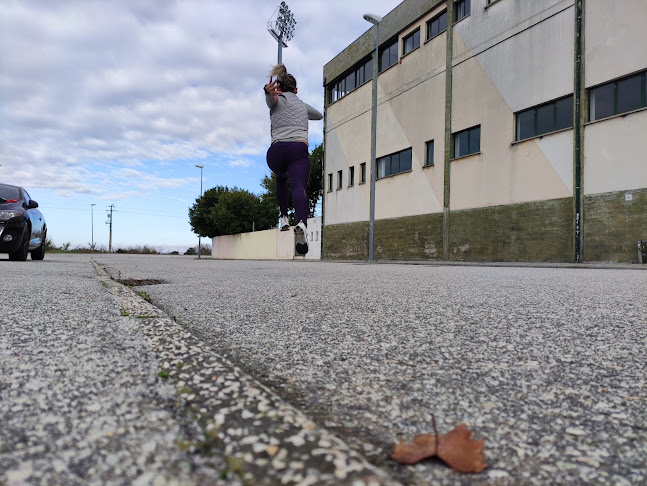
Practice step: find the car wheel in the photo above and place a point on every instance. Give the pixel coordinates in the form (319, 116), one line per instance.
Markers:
(39, 253)
(23, 250)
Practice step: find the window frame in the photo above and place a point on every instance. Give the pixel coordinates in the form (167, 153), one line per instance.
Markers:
(534, 109)
(340, 179)
(435, 18)
(410, 35)
(351, 176)
(361, 73)
(391, 160)
(433, 149)
(388, 47)
(362, 173)
(468, 12)
(330, 186)
(469, 134)
(614, 102)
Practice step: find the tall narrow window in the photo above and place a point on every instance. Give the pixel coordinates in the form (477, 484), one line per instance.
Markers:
(330, 182)
(389, 55)
(411, 42)
(362, 173)
(463, 8)
(429, 153)
(467, 142)
(351, 176)
(339, 179)
(437, 25)
(546, 118)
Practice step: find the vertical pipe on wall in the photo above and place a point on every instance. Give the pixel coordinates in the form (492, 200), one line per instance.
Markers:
(579, 103)
(371, 229)
(448, 126)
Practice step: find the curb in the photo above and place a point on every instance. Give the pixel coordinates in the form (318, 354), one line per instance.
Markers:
(263, 439)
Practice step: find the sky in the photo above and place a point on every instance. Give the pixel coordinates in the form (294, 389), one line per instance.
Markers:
(114, 102)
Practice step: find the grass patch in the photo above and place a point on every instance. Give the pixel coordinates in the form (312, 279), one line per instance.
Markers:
(144, 295)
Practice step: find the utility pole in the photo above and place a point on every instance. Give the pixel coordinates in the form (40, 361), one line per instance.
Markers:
(92, 219)
(110, 223)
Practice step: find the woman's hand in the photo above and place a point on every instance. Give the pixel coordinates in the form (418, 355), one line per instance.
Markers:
(272, 88)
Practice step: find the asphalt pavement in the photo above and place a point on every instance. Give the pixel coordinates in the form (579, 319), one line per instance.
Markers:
(302, 372)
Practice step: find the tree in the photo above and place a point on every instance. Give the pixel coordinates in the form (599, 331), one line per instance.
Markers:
(315, 185)
(224, 211)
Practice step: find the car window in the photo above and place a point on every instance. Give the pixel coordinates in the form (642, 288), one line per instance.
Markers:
(9, 193)
(27, 198)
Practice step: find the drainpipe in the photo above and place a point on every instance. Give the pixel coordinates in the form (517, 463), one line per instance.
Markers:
(579, 104)
(323, 170)
(448, 126)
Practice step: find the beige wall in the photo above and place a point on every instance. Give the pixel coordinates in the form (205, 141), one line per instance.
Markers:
(411, 104)
(267, 245)
(507, 58)
(615, 154)
(502, 173)
(615, 36)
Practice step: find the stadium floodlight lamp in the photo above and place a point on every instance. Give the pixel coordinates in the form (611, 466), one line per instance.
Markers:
(282, 29)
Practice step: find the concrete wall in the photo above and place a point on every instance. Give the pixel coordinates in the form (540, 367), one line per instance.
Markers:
(267, 245)
(512, 200)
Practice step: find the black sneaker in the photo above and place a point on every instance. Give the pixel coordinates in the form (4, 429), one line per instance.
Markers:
(301, 233)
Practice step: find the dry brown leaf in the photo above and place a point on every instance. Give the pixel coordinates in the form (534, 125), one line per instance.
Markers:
(456, 448)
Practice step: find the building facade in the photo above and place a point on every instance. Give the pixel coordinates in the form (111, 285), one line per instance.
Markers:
(507, 130)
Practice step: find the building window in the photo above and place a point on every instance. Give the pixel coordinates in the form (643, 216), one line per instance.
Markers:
(362, 173)
(467, 142)
(351, 176)
(394, 163)
(546, 118)
(616, 97)
(352, 80)
(411, 42)
(462, 8)
(389, 55)
(437, 25)
(330, 182)
(429, 153)
(339, 179)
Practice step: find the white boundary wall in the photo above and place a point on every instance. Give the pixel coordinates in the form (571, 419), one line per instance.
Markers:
(267, 245)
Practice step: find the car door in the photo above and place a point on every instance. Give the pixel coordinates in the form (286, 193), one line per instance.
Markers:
(37, 221)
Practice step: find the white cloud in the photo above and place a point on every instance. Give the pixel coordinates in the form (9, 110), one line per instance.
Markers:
(96, 90)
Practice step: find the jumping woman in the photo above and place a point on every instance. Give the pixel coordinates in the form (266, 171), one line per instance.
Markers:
(288, 156)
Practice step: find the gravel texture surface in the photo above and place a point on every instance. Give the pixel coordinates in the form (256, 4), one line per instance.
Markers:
(80, 399)
(100, 387)
(548, 365)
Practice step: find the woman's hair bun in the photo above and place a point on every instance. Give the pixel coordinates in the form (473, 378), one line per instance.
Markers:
(279, 71)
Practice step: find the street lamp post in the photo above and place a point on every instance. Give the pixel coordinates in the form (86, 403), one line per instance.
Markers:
(92, 219)
(375, 20)
(199, 167)
(282, 29)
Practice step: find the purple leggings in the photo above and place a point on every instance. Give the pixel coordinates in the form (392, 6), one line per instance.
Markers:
(290, 160)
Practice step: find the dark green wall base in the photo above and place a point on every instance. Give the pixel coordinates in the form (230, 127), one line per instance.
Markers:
(345, 241)
(410, 238)
(613, 226)
(539, 231)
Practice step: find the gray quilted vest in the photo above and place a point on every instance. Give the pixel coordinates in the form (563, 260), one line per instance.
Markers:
(289, 121)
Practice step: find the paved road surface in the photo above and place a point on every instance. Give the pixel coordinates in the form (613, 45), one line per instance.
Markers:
(547, 364)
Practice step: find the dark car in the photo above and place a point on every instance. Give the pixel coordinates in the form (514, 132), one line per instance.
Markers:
(22, 226)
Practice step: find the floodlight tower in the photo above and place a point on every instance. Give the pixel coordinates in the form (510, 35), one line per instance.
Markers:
(282, 29)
